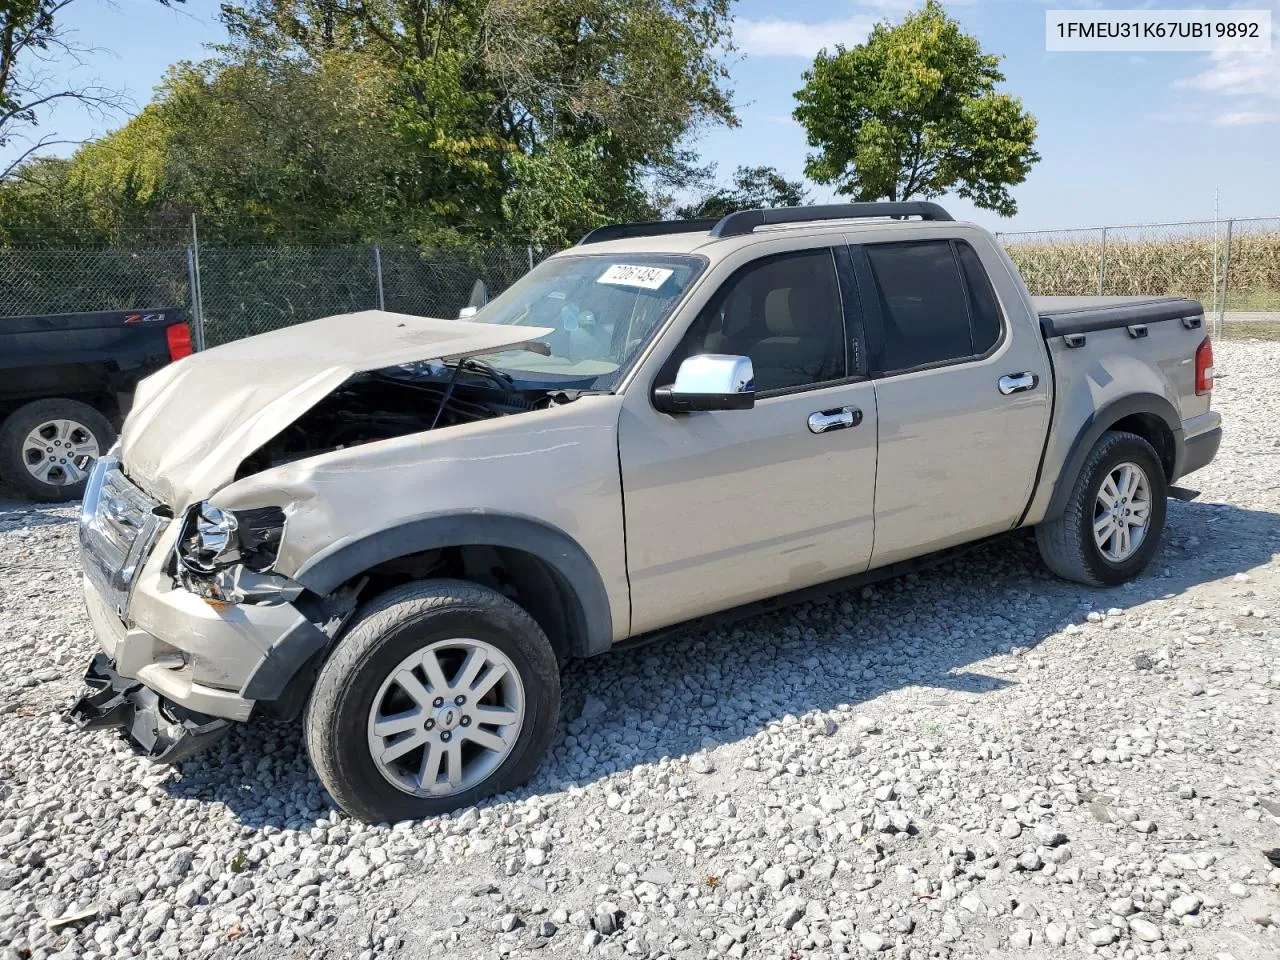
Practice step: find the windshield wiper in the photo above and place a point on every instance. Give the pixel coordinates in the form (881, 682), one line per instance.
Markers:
(503, 380)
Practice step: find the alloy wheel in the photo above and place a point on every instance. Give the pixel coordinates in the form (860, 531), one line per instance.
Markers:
(60, 452)
(1121, 512)
(446, 717)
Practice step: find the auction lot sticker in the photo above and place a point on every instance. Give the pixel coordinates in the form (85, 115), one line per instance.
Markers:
(1157, 30)
(631, 275)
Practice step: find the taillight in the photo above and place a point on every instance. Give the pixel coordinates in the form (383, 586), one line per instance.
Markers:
(1204, 368)
(179, 337)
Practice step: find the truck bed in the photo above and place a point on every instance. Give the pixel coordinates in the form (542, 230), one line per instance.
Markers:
(1061, 316)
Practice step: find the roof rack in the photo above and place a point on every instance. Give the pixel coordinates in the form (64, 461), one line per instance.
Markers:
(745, 221)
(656, 228)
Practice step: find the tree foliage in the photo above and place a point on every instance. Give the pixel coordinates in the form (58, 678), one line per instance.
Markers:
(752, 188)
(914, 112)
(437, 121)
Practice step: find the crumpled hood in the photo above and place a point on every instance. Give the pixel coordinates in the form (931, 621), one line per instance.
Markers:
(196, 420)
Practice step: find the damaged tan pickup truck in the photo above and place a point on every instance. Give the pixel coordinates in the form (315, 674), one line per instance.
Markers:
(400, 527)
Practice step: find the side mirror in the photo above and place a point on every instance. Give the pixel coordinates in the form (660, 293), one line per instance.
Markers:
(710, 381)
(479, 297)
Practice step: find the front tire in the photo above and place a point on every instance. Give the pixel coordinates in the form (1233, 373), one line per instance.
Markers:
(1112, 523)
(441, 693)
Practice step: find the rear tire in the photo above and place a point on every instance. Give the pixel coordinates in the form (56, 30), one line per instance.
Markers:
(1088, 542)
(407, 704)
(47, 448)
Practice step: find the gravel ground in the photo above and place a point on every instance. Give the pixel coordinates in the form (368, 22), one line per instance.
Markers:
(980, 759)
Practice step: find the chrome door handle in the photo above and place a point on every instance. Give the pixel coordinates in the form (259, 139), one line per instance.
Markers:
(1017, 382)
(838, 419)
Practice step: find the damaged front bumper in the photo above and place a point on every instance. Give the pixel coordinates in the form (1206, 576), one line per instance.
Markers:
(162, 730)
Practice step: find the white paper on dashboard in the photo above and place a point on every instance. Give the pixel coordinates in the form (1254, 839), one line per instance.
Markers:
(632, 275)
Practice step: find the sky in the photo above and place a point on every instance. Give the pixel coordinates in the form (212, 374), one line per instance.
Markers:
(1124, 137)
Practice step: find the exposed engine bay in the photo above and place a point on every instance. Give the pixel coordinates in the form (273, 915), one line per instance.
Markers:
(396, 402)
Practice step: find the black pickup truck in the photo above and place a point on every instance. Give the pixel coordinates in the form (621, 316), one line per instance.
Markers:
(66, 381)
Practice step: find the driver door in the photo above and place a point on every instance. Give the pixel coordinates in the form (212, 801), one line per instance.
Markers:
(723, 508)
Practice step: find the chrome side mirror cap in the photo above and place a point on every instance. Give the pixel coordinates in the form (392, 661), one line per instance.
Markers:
(479, 297)
(709, 381)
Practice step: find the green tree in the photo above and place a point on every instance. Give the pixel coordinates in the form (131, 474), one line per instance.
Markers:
(543, 116)
(458, 122)
(914, 112)
(262, 150)
(752, 188)
(563, 190)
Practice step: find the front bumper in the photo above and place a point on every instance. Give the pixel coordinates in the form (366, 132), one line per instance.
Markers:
(218, 661)
(176, 644)
(162, 730)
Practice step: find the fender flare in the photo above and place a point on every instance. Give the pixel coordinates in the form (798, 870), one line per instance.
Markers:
(589, 609)
(1099, 423)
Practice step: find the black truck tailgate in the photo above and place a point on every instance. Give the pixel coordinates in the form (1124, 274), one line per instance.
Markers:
(124, 339)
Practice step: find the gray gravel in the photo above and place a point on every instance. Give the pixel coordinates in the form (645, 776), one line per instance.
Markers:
(977, 759)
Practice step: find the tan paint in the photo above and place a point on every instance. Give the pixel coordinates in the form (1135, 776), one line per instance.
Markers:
(558, 466)
(1112, 365)
(958, 457)
(194, 421)
(725, 508)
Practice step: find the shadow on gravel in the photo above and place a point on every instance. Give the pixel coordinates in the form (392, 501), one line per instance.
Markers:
(706, 687)
(17, 514)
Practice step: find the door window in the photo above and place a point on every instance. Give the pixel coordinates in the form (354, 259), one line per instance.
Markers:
(784, 313)
(936, 303)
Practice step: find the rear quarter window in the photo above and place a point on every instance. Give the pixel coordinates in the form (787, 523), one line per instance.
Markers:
(936, 303)
(984, 309)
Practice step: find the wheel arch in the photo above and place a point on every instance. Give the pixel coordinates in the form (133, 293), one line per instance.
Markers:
(1148, 415)
(555, 578)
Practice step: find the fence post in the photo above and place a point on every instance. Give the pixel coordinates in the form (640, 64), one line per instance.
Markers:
(377, 266)
(529, 249)
(193, 279)
(1102, 264)
(1226, 282)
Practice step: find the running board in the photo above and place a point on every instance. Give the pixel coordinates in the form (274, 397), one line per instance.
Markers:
(1182, 493)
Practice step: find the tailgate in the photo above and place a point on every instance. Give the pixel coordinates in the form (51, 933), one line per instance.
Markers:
(127, 339)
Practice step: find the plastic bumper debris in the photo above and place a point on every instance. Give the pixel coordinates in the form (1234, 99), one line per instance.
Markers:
(158, 728)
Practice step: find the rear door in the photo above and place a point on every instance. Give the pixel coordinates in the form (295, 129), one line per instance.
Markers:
(963, 394)
(728, 507)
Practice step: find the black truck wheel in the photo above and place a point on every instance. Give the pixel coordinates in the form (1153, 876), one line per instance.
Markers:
(48, 447)
(1111, 527)
(441, 693)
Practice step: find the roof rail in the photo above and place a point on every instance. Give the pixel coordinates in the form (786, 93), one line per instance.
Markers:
(656, 228)
(745, 221)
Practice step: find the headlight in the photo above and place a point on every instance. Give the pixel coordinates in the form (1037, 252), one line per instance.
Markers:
(209, 539)
(226, 557)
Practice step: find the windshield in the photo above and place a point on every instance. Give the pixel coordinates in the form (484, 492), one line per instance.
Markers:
(603, 309)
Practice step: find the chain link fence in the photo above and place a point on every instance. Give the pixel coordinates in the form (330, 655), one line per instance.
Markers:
(234, 292)
(1231, 266)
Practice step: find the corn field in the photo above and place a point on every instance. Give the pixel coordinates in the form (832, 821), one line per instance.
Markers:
(1232, 267)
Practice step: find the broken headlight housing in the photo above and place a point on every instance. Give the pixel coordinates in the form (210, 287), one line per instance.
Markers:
(226, 556)
(209, 539)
